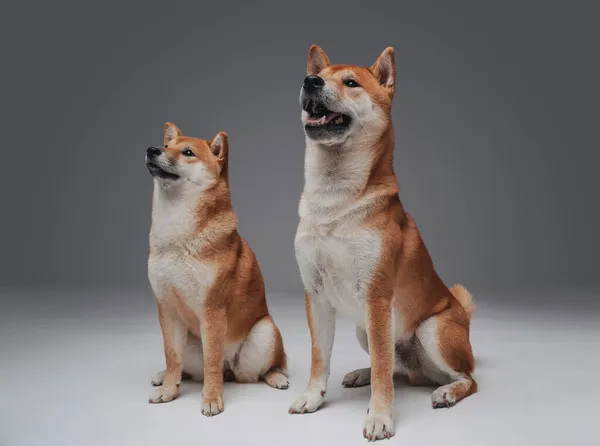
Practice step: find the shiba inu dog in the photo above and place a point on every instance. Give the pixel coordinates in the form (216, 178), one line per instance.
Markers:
(206, 279)
(361, 255)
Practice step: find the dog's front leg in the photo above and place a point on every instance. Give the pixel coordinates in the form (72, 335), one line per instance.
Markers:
(213, 327)
(174, 334)
(379, 423)
(321, 323)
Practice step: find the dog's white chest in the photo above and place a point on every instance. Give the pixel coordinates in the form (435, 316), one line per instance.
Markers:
(338, 266)
(179, 272)
(174, 263)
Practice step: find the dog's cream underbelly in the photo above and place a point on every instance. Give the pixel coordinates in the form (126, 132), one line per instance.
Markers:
(181, 283)
(338, 267)
(193, 355)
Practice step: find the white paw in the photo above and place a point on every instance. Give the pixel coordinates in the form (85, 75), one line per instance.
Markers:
(164, 394)
(158, 378)
(443, 397)
(277, 380)
(212, 406)
(308, 403)
(379, 426)
(357, 378)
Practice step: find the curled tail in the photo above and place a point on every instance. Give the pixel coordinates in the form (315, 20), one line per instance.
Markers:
(464, 297)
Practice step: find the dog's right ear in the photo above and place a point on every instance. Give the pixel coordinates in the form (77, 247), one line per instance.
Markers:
(317, 60)
(171, 132)
(384, 70)
(219, 147)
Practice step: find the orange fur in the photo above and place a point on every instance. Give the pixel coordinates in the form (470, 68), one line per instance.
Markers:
(403, 277)
(464, 297)
(229, 301)
(317, 366)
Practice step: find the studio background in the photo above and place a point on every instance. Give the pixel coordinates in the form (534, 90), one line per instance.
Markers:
(496, 117)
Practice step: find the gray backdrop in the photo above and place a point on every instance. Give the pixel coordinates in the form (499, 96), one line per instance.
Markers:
(496, 116)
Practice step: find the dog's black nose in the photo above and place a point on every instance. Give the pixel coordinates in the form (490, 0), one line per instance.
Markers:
(312, 83)
(153, 152)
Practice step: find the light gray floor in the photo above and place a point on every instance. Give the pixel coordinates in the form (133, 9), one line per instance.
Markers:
(76, 370)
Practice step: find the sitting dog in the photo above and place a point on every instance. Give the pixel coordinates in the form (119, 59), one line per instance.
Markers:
(208, 285)
(361, 255)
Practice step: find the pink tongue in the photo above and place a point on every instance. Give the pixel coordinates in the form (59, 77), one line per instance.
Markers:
(331, 116)
(326, 119)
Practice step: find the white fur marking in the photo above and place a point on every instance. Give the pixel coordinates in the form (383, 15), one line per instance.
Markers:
(255, 355)
(427, 333)
(323, 323)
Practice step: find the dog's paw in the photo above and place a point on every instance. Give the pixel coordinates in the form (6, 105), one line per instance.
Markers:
(378, 425)
(357, 378)
(308, 403)
(212, 405)
(443, 397)
(164, 394)
(277, 380)
(158, 378)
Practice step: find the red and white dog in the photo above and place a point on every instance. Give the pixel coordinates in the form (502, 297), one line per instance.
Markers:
(361, 255)
(207, 282)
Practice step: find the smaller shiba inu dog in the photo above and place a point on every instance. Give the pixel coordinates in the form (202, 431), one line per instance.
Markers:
(206, 279)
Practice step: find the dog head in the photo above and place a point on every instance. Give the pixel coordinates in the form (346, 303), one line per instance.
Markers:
(342, 101)
(188, 160)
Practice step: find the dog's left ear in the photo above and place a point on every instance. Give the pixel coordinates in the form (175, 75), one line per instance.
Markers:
(219, 147)
(384, 69)
(317, 60)
(171, 132)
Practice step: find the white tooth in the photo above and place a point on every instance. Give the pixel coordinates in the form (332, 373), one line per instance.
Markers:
(338, 120)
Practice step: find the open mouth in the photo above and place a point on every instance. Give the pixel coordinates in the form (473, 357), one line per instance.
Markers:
(156, 171)
(319, 117)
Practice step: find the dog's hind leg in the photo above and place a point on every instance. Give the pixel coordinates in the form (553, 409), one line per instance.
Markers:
(359, 377)
(262, 356)
(193, 364)
(448, 356)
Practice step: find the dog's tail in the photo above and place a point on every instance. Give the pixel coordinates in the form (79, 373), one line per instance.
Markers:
(464, 297)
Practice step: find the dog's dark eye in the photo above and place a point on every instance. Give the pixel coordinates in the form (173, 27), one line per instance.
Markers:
(351, 83)
(187, 152)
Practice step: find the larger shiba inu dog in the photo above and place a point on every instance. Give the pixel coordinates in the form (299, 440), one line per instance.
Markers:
(207, 282)
(360, 254)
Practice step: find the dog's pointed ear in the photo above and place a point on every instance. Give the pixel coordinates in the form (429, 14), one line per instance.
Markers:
(317, 60)
(171, 132)
(219, 147)
(384, 69)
